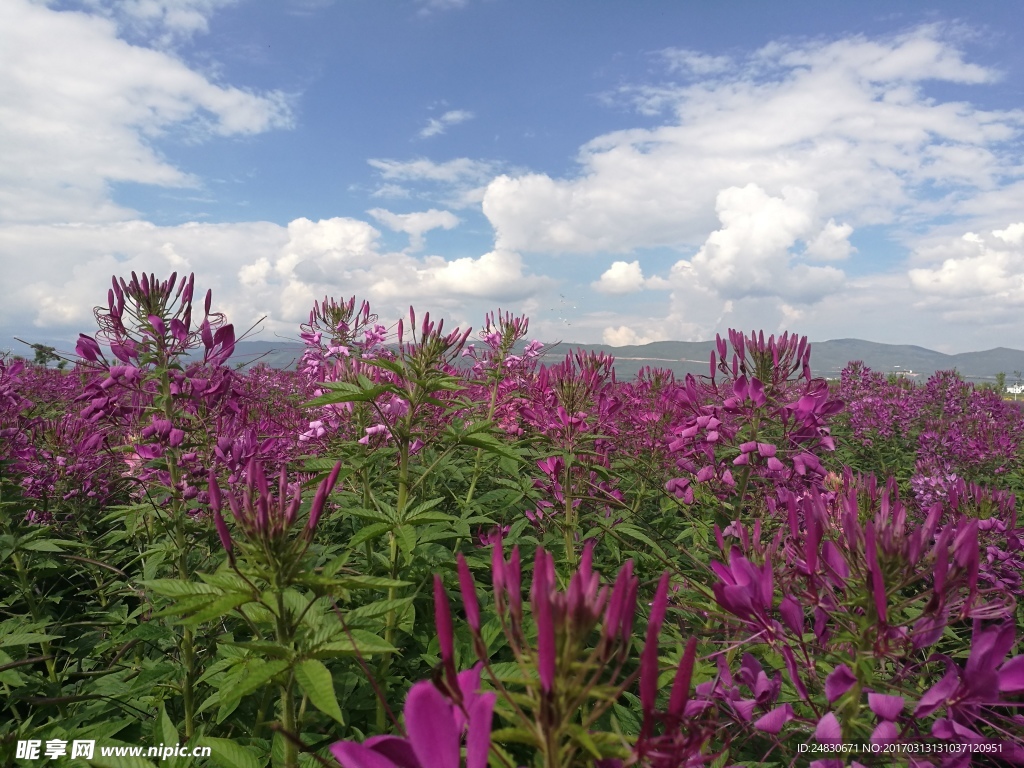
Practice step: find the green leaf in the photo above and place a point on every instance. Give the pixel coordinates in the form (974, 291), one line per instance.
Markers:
(178, 588)
(370, 514)
(378, 608)
(265, 647)
(229, 754)
(25, 638)
(370, 582)
(370, 532)
(367, 642)
(490, 445)
(218, 608)
(257, 675)
(43, 545)
(316, 682)
(627, 719)
(225, 580)
(632, 532)
(168, 733)
(345, 392)
(581, 737)
(514, 736)
(421, 510)
(121, 762)
(406, 536)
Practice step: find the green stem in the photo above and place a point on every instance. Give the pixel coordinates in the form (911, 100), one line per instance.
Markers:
(33, 607)
(478, 462)
(389, 635)
(569, 527)
(288, 722)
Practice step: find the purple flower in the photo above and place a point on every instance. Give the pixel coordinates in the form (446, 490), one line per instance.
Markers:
(435, 726)
(468, 589)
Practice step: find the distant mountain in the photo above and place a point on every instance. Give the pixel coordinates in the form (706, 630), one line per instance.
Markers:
(276, 354)
(828, 358)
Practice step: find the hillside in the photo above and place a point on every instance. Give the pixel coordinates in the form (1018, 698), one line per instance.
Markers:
(828, 358)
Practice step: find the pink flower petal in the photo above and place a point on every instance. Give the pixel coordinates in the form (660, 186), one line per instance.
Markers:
(478, 740)
(352, 755)
(839, 682)
(774, 720)
(828, 730)
(431, 727)
(1011, 676)
(886, 707)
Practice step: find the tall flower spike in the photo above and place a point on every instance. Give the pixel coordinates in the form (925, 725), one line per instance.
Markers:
(321, 497)
(619, 603)
(543, 614)
(443, 620)
(468, 589)
(218, 520)
(681, 685)
(649, 657)
(498, 574)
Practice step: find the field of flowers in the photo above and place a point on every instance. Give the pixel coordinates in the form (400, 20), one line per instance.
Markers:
(425, 549)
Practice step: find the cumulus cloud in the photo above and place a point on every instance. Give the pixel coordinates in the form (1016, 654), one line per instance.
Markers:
(751, 254)
(80, 109)
(342, 256)
(168, 20)
(80, 259)
(875, 147)
(438, 125)
(255, 269)
(975, 277)
(415, 224)
(621, 277)
(624, 277)
(623, 336)
(832, 243)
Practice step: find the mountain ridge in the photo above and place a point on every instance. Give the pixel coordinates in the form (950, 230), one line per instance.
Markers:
(828, 358)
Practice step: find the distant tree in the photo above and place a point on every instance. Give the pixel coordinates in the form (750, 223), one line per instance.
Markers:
(44, 354)
(1000, 383)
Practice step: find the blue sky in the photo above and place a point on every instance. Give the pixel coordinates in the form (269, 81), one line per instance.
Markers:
(620, 172)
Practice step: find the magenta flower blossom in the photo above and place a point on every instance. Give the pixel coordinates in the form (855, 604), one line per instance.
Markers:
(976, 693)
(744, 589)
(435, 726)
(263, 516)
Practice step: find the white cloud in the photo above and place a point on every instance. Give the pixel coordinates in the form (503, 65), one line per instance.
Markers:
(751, 254)
(170, 20)
(428, 7)
(626, 276)
(81, 108)
(415, 224)
(623, 335)
(621, 277)
(341, 256)
(976, 277)
(832, 243)
(689, 62)
(255, 269)
(438, 125)
(461, 169)
(390, 191)
(457, 183)
(848, 119)
(79, 260)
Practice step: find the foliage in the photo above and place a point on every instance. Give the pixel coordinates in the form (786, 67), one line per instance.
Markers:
(753, 567)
